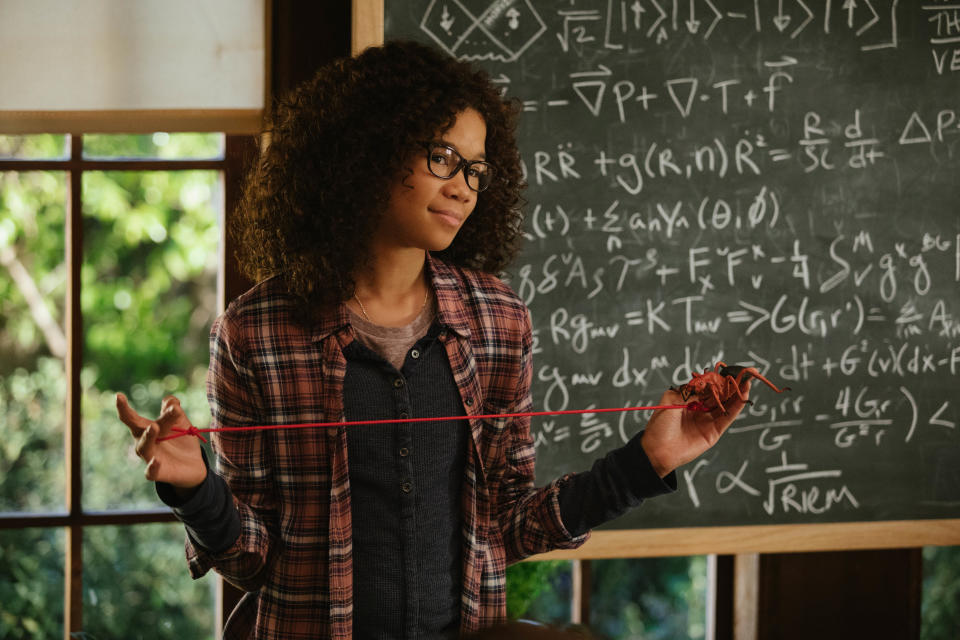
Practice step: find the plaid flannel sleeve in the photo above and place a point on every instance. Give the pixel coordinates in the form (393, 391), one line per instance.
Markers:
(243, 461)
(529, 517)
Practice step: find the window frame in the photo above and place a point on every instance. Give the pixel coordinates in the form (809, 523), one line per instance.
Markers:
(239, 150)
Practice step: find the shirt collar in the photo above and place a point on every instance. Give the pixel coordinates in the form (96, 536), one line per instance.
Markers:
(451, 312)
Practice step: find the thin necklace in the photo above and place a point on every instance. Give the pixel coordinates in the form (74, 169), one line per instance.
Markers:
(363, 310)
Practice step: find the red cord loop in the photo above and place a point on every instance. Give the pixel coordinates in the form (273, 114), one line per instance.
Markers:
(193, 431)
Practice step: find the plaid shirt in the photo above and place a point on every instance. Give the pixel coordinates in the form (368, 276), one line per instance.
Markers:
(292, 487)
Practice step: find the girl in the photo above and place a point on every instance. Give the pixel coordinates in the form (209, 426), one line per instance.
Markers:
(375, 221)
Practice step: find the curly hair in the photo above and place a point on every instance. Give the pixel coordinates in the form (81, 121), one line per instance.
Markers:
(339, 142)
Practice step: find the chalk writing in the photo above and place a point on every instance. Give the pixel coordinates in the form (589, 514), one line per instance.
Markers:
(770, 183)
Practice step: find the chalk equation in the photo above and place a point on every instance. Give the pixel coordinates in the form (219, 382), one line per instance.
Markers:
(770, 183)
(501, 30)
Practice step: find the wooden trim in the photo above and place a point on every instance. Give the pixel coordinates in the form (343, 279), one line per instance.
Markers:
(366, 25)
(268, 11)
(73, 472)
(86, 519)
(240, 121)
(787, 538)
(746, 595)
(581, 585)
(126, 164)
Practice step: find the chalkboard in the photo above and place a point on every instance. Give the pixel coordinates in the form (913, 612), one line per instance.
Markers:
(772, 183)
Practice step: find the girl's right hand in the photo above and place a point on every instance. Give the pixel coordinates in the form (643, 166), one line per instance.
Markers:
(178, 461)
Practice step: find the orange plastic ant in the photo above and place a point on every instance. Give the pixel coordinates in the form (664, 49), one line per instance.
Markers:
(713, 388)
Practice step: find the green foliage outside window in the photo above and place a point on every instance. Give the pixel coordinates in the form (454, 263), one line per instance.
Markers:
(150, 242)
(532, 591)
(940, 611)
(644, 598)
(650, 598)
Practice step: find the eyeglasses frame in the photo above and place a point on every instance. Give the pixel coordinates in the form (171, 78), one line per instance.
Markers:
(464, 164)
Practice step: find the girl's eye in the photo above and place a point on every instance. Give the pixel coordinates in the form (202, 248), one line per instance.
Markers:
(439, 158)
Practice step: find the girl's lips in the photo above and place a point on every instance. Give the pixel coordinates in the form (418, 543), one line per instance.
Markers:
(450, 217)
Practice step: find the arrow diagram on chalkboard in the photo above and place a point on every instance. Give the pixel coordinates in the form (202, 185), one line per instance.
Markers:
(490, 34)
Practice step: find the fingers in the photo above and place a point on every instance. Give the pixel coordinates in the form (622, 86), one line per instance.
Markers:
(134, 421)
(170, 402)
(152, 472)
(146, 444)
(171, 413)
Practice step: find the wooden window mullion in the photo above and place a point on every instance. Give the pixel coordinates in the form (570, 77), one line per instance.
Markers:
(581, 585)
(73, 562)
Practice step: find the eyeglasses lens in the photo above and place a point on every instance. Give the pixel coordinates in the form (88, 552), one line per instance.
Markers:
(445, 162)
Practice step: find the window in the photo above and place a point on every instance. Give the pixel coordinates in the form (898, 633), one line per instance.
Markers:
(109, 258)
(622, 598)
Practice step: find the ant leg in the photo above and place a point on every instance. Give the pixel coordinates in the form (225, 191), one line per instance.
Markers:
(756, 374)
(716, 396)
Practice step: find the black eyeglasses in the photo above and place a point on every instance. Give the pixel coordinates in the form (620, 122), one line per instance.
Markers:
(444, 162)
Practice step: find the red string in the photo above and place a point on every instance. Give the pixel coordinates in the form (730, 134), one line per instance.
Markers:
(193, 431)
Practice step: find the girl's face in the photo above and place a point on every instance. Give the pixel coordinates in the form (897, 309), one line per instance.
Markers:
(425, 212)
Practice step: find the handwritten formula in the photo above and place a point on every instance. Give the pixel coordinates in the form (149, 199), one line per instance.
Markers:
(773, 183)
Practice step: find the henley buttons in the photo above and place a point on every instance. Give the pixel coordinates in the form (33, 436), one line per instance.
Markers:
(414, 354)
(397, 383)
(469, 402)
(406, 487)
(404, 452)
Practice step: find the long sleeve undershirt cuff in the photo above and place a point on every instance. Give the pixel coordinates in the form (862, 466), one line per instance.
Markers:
(617, 482)
(209, 515)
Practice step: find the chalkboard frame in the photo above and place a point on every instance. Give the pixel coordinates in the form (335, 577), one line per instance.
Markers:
(367, 30)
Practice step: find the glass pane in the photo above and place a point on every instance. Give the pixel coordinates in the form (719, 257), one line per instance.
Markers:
(42, 146)
(655, 598)
(941, 593)
(31, 583)
(149, 284)
(32, 342)
(137, 586)
(168, 146)
(540, 591)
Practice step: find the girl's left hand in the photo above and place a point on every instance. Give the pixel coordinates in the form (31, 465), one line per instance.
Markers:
(674, 437)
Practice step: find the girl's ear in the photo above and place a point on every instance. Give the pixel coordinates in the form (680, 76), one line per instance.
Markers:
(406, 172)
